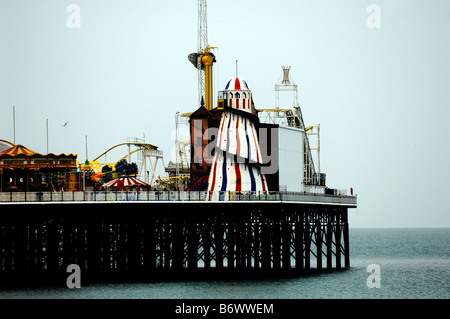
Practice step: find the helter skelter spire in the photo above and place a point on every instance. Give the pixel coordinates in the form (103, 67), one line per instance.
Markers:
(237, 160)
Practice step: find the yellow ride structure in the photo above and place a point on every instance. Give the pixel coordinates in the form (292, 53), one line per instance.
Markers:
(145, 152)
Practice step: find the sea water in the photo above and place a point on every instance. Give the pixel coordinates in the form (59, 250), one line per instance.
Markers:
(385, 263)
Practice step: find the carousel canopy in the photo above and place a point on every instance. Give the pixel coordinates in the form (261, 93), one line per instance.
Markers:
(21, 157)
(18, 150)
(125, 182)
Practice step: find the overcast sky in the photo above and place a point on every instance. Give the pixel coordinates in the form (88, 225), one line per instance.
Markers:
(378, 85)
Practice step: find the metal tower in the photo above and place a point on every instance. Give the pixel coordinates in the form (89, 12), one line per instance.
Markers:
(286, 84)
(203, 59)
(202, 43)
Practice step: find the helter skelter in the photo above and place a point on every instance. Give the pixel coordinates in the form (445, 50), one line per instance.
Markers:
(237, 160)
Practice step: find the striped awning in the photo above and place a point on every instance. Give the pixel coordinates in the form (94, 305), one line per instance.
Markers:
(125, 182)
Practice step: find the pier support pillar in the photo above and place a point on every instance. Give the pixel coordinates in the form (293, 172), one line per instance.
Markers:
(276, 244)
(230, 244)
(218, 241)
(257, 242)
(177, 244)
(206, 238)
(265, 245)
(52, 246)
(329, 242)
(338, 242)
(149, 251)
(346, 239)
(286, 238)
(318, 226)
(94, 247)
(249, 233)
(20, 248)
(298, 245)
(192, 241)
(307, 240)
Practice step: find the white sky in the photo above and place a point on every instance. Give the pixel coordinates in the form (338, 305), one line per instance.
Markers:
(380, 95)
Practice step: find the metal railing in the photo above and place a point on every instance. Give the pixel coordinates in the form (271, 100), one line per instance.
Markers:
(111, 196)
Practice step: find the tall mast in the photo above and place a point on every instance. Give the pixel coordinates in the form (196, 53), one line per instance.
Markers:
(203, 59)
(202, 43)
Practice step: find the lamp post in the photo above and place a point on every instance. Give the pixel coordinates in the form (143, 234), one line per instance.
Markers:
(14, 123)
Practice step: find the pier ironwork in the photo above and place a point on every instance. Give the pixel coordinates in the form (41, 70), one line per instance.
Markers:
(154, 240)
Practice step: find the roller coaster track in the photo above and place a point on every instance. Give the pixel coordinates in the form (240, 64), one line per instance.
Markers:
(148, 150)
(7, 142)
(137, 144)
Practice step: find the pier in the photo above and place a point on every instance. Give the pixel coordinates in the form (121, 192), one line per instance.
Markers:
(145, 236)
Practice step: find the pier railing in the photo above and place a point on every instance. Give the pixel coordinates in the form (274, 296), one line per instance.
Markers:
(111, 196)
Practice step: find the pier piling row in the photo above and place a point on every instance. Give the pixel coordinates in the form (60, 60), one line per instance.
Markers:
(148, 240)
